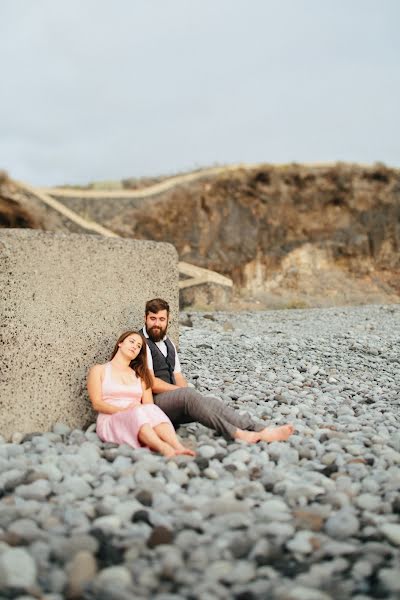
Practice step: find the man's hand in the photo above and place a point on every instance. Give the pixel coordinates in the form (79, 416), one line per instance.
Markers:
(180, 380)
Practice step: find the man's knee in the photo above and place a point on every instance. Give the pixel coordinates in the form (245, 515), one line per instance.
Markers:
(191, 394)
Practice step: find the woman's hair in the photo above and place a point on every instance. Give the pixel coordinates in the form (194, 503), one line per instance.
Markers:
(138, 364)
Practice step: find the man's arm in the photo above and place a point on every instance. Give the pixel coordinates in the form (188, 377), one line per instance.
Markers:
(159, 385)
(180, 380)
(178, 375)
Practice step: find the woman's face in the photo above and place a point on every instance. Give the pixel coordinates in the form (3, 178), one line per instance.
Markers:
(131, 345)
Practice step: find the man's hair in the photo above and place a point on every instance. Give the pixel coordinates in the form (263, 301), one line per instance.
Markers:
(155, 305)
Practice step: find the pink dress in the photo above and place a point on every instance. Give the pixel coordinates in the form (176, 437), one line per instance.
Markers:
(123, 427)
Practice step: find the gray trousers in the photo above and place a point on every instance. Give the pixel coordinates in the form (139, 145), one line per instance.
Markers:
(186, 405)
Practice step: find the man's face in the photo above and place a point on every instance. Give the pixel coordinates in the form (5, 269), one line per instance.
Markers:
(156, 325)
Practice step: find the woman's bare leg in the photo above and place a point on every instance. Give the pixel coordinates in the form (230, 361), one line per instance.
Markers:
(148, 437)
(167, 433)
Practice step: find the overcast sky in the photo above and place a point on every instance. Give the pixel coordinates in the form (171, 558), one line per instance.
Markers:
(108, 89)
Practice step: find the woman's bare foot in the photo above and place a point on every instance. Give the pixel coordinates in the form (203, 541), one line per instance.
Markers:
(276, 434)
(167, 450)
(184, 450)
(251, 437)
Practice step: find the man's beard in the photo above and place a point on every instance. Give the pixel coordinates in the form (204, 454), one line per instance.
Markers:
(156, 334)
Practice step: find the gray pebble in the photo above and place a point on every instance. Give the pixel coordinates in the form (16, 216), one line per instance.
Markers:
(38, 490)
(282, 520)
(17, 569)
(343, 524)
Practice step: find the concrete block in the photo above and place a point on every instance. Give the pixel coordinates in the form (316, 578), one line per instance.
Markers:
(65, 299)
(205, 296)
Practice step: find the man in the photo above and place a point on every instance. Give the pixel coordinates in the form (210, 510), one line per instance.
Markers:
(183, 404)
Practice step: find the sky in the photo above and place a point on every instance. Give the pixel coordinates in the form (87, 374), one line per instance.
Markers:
(111, 89)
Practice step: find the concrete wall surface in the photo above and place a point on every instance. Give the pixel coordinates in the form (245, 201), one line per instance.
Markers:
(65, 299)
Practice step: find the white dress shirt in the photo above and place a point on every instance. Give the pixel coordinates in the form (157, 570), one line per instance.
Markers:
(163, 347)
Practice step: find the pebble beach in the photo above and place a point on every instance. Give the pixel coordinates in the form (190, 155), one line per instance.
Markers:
(313, 518)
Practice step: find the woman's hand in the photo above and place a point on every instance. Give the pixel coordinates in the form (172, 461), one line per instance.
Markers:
(147, 396)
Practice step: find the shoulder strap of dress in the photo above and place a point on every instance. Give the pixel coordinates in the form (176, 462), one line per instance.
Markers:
(107, 370)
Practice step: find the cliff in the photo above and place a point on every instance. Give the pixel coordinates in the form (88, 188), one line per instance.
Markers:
(286, 235)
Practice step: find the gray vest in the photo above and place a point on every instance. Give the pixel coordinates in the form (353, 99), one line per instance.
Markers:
(163, 367)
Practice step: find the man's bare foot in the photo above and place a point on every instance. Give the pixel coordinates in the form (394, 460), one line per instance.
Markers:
(251, 437)
(276, 434)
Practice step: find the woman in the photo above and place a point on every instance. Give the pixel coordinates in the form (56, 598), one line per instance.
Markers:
(120, 391)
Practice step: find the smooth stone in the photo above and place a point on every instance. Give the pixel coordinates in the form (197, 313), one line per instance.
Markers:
(390, 579)
(392, 532)
(342, 525)
(17, 569)
(274, 505)
(65, 548)
(309, 518)
(29, 508)
(113, 575)
(362, 569)
(51, 472)
(107, 523)
(90, 453)
(243, 571)
(281, 531)
(57, 580)
(210, 473)
(145, 497)
(305, 593)
(38, 490)
(160, 535)
(261, 552)
(81, 570)
(222, 506)
(121, 464)
(61, 429)
(76, 486)
(14, 450)
(187, 539)
(11, 478)
(241, 456)
(304, 490)
(336, 548)
(329, 458)
(17, 437)
(125, 510)
(369, 502)
(27, 529)
(206, 451)
(301, 542)
(219, 570)
(170, 559)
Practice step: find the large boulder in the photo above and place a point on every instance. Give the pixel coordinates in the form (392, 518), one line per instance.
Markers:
(65, 300)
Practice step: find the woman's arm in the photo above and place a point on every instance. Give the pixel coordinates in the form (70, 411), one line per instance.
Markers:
(147, 396)
(94, 382)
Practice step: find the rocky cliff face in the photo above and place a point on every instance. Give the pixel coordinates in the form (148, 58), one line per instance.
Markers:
(316, 234)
